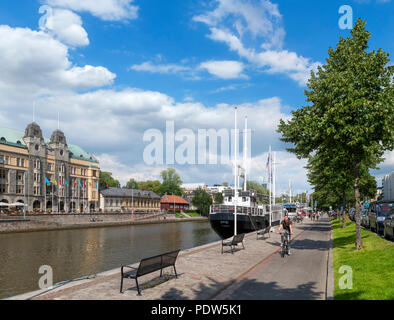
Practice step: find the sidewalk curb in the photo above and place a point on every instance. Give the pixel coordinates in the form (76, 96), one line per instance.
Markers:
(330, 271)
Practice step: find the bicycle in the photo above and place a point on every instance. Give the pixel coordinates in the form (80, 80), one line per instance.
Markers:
(285, 239)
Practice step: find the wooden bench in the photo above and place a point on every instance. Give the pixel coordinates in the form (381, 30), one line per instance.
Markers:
(263, 232)
(237, 239)
(149, 265)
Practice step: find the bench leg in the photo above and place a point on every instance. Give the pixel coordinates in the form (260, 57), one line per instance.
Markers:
(176, 275)
(121, 285)
(161, 273)
(243, 245)
(138, 288)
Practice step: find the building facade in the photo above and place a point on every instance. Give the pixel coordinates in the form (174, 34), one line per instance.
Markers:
(388, 187)
(174, 202)
(47, 174)
(129, 200)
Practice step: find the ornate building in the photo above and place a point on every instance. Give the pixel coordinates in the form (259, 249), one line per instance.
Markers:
(47, 174)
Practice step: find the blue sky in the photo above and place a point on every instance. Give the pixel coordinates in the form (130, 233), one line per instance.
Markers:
(116, 68)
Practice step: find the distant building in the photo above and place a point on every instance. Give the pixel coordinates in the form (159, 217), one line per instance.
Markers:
(388, 187)
(169, 202)
(59, 176)
(128, 200)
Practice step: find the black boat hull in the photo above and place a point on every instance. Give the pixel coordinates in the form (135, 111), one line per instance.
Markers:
(223, 223)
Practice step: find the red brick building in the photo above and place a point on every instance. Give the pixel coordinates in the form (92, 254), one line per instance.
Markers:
(168, 203)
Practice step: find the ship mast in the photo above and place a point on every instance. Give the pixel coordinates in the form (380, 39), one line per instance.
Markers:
(235, 174)
(245, 150)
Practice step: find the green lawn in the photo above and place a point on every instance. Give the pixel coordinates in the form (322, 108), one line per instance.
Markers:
(373, 266)
(191, 214)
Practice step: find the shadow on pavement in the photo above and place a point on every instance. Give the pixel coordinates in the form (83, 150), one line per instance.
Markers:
(250, 290)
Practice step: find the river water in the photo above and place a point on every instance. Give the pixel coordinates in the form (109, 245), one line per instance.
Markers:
(75, 253)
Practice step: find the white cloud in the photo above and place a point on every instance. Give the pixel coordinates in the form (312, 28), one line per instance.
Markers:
(224, 69)
(261, 19)
(159, 68)
(268, 55)
(108, 10)
(34, 62)
(66, 26)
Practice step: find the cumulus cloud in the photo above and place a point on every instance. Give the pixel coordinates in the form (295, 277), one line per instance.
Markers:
(65, 25)
(108, 10)
(35, 62)
(224, 69)
(263, 21)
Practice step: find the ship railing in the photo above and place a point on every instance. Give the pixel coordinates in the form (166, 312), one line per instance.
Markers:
(240, 209)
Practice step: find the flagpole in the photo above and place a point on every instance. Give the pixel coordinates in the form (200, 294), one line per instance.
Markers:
(270, 184)
(274, 180)
(235, 174)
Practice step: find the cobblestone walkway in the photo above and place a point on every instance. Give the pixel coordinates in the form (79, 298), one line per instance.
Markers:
(203, 273)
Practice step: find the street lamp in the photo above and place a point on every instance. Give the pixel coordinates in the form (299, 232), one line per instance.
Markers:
(24, 192)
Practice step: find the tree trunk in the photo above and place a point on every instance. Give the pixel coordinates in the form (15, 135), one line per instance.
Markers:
(338, 210)
(357, 198)
(344, 210)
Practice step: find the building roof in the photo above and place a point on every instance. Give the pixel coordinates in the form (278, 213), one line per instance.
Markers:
(15, 138)
(193, 186)
(123, 192)
(173, 199)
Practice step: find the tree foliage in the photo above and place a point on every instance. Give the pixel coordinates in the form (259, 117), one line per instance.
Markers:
(106, 180)
(351, 113)
(202, 201)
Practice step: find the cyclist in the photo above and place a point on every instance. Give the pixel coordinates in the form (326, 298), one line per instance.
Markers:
(287, 226)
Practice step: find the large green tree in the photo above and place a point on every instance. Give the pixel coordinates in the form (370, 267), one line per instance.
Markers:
(171, 182)
(132, 184)
(106, 180)
(351, 111)
(202, 201)
(150, 185)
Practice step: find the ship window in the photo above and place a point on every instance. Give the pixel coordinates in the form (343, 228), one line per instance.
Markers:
(18, 142)
(243, 199)
(3, 139)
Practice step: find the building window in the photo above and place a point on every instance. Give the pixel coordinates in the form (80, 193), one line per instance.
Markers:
(3, 188)
(19, 189)
(3, 174)
(7, 159)
(18, 162)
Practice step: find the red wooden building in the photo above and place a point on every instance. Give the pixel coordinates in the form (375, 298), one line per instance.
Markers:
(168, 203)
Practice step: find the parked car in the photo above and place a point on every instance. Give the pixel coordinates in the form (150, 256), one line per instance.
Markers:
(377, 214)
(388, 225)
(364, 217)
(352, 212)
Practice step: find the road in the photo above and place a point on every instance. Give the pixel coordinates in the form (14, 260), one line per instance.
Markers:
(301, 276)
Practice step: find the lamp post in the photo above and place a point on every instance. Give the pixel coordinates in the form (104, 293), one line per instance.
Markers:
(24, 192)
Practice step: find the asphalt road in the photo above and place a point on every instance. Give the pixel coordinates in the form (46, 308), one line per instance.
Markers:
(301, 276)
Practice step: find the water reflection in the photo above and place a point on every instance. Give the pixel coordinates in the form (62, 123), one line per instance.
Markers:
(76, 253)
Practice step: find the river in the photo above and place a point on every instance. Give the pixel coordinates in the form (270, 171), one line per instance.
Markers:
(75, 253)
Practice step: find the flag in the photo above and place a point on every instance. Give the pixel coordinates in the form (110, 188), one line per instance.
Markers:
(54, 182)
(47, 181)
(84, 184)
(79, 184)
(66, 183)
(90, 184)
(60, 181)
